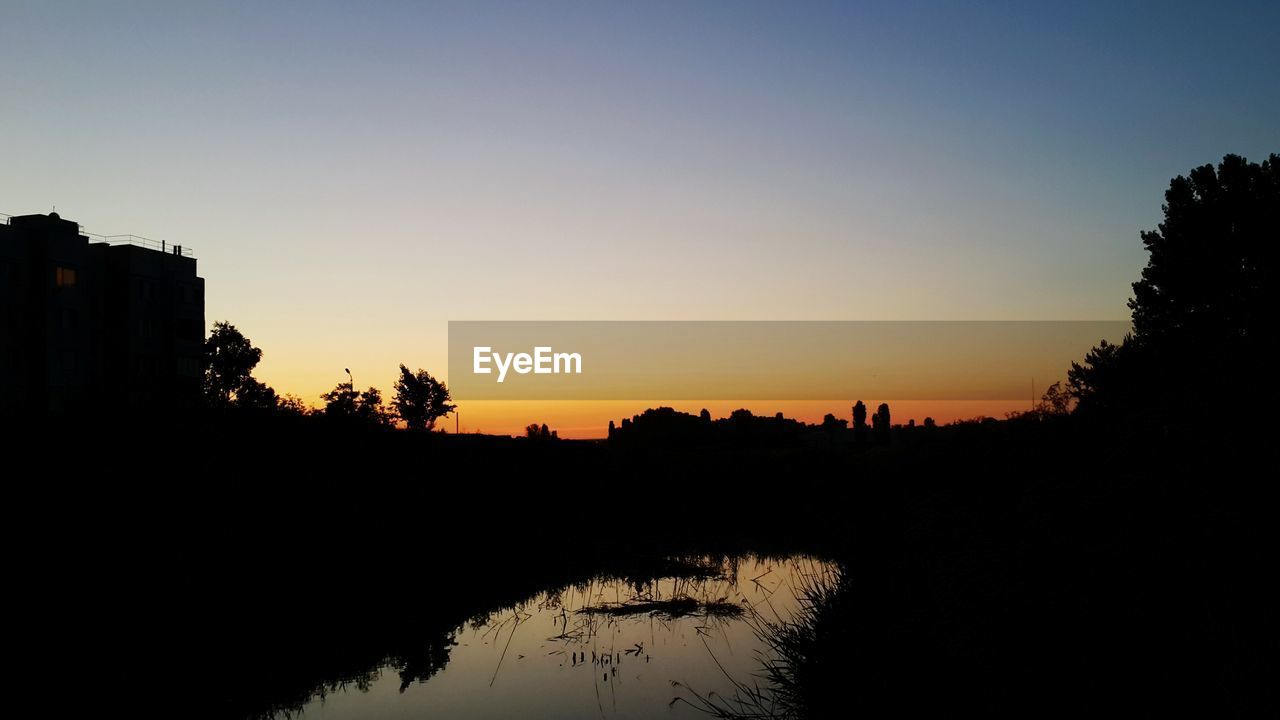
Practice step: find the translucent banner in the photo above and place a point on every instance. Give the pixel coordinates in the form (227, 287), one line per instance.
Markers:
(765, 360)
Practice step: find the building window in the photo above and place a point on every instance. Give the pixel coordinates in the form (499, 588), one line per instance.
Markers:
(189, 367)
(64, 277)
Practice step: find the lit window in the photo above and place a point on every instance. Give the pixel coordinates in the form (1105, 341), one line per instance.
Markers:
(65, 277)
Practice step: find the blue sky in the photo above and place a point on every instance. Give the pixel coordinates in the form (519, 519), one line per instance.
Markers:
(353, 176)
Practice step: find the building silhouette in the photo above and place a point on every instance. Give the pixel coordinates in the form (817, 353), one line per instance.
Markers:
(93, 326)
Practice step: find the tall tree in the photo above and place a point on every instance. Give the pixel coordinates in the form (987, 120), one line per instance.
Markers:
(229, 362)
(1204, 310)
(1211, 270)
(420, 399)
(880, 421)
(860, 416)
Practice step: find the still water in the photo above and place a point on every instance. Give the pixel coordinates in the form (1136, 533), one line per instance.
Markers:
(608, 648)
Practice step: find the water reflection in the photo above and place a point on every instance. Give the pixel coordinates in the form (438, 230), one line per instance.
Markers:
(610, 647)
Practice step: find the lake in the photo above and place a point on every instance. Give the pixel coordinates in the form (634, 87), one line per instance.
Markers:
(611, 647)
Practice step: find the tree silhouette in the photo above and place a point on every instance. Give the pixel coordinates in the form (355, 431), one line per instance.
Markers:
(256, 395)
(345, 403)
(880, 422)
(420, 399)
(1212, 268)
(860, 416)
(229, 359)
(860, 422)
(292, 405)
(1055, 401)
(1204, 309)
(534, 431)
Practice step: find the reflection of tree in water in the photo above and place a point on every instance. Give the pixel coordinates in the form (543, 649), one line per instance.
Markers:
(416, 657)
(662, 589)
(419, 666)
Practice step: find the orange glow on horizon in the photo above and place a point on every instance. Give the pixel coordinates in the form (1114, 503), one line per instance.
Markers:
(589, 419)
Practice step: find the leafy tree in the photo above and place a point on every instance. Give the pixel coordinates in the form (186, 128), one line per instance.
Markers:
(228, 377)
(229, 362)
(369, 408)
(1055, 401)
(860, 416)
(341, 401)
(1204, 309)
(1109, 378)
(292, 405)
(420, 399)
(860, 422)
(541, 432)
(880, 422)
(256, 395)
(1211, 271)
(344, 402)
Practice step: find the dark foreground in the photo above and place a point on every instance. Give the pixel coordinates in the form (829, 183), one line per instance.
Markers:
(234, 567)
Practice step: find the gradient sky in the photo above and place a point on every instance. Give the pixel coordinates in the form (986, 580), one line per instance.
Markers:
(351, 176)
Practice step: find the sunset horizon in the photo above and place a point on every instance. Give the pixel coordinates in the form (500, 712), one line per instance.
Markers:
(619, 361)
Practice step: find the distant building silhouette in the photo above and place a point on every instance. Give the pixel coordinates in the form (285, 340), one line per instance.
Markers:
(88, 326)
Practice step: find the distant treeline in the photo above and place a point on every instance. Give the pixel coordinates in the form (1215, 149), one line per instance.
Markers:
(667, 426)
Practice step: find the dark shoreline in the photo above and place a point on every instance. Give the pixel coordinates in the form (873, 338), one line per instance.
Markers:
(244, 565)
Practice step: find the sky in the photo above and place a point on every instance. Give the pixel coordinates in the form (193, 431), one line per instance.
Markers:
(352, 176)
